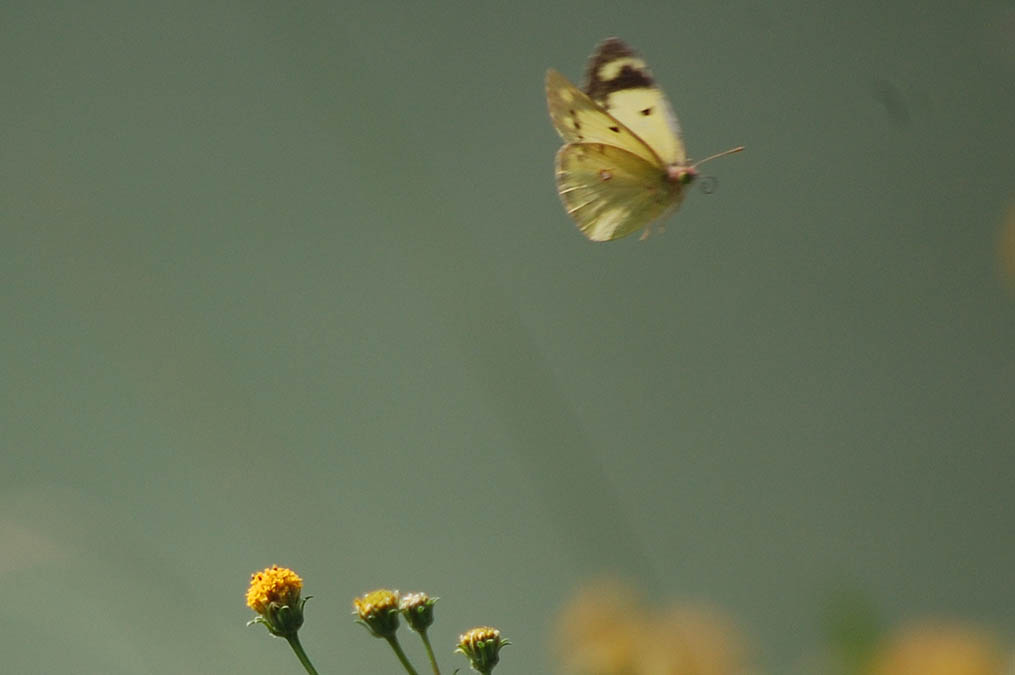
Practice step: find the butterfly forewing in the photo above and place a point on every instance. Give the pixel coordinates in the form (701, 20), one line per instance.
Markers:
(611, 192)
(578, 119)
(619, 82)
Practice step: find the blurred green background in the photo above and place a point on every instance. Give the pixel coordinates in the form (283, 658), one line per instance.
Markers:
(290, 283)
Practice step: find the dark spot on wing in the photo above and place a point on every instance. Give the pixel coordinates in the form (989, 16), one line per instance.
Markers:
(629, 77)
(615, 130)
(646, 112)
(613, 48)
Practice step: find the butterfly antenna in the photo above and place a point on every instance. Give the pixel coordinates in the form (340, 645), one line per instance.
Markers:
(721, 154)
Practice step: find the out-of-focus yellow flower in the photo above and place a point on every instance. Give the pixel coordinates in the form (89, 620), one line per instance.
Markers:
(609, 630)
(378, 612)
(598, 630)
(938, 649)
(481, 645)
(1006, 248)
(702, 641)
(274, 593)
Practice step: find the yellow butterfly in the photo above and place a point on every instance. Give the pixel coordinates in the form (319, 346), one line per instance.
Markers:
(624, 165)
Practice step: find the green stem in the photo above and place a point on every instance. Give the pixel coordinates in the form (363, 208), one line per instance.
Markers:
(294, 642)
(397, 648)
(429, 652)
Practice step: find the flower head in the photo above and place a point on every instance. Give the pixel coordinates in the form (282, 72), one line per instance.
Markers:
(417, 608)
(610, 629)
(481, 646)
(274, 593)
(935, 648)
(377, 611)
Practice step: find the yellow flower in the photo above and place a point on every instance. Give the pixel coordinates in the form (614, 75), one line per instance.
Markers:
(932, 648)
(600, 631)
(378, 612)
(609, 629)
(274, 584)
(274, 593)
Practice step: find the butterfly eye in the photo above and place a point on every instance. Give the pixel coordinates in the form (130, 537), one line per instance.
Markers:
(682, 174)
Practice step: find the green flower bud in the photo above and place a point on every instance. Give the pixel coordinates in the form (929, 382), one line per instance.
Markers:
(482, 646)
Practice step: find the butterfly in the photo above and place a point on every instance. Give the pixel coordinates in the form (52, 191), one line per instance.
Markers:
(623, 165)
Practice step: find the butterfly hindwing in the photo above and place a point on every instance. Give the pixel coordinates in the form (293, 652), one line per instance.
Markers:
(578, 119)
(619, 82)
(611, 192)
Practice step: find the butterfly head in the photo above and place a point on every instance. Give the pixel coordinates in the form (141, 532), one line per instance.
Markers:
(681, 173)
(686, 173)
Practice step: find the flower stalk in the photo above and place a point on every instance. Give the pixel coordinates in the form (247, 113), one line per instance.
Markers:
(301, 654)
(417, 608)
